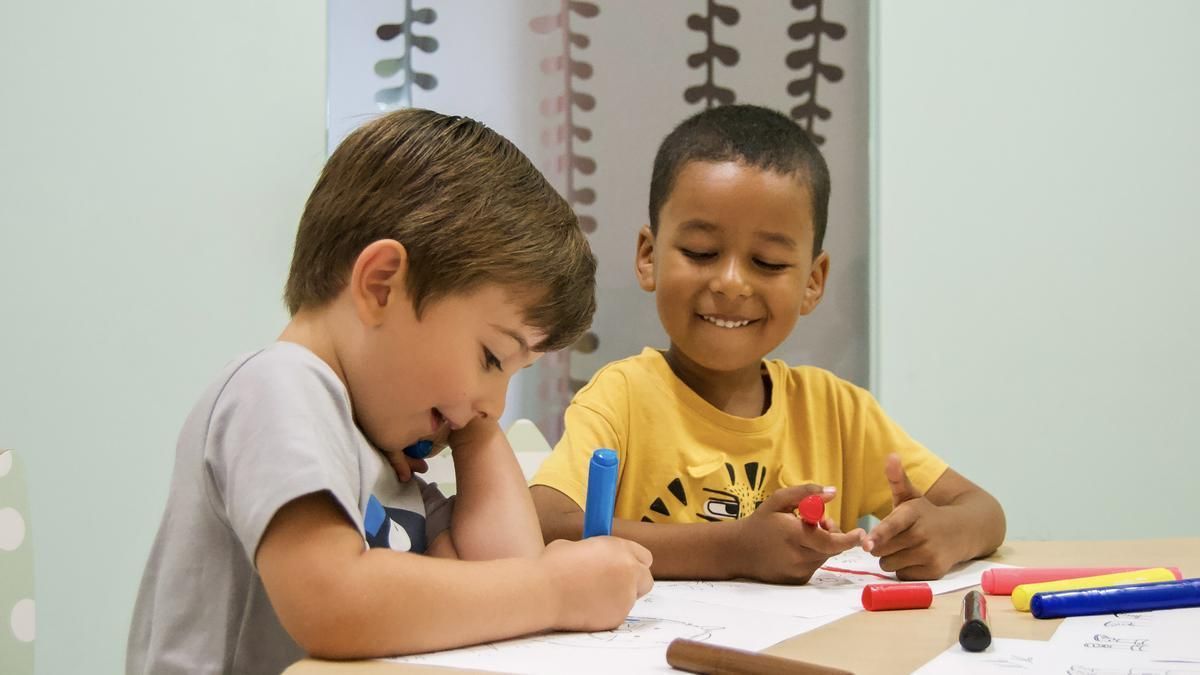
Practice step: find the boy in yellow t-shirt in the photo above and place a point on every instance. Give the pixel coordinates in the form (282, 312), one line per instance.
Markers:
(716, 445)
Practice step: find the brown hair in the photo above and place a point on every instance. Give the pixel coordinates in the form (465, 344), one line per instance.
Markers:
(466, 204)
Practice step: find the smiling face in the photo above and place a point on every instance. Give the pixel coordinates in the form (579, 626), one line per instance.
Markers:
(415, 377)
(732, 263)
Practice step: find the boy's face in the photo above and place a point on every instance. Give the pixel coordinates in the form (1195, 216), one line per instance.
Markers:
(731, 265)
(413, 379)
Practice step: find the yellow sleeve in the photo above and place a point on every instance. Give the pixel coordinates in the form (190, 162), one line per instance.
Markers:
(878, 436)
(591, 421)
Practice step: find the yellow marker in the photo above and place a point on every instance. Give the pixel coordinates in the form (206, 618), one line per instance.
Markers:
(1022, 594)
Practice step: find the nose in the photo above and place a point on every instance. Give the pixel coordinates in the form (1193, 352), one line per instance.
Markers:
(491, 399)
(729, 280)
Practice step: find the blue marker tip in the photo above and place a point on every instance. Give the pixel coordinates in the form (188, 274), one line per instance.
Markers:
(419, 450)
(601, 493)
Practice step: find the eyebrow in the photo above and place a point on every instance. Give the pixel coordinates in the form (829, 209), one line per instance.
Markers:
(513, 334)
(773, 237)
(701, 225)
(776, 237)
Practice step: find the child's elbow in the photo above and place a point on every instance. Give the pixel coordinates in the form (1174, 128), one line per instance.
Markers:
(329, 638)
(329, 623)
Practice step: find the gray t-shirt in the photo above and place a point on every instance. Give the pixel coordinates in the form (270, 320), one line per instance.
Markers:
(276, 425)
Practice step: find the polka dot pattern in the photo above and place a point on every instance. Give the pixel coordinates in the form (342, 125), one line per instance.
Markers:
(12, 529)
(17, 615)
(21, 620)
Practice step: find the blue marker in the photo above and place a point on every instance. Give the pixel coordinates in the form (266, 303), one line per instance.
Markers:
(419, 450)
(601, 493)
(1117, 599)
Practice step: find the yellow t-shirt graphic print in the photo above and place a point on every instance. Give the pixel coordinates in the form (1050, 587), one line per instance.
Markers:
(726, 494)
(684, 461)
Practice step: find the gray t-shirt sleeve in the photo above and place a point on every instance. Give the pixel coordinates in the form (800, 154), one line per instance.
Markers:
(274, 436)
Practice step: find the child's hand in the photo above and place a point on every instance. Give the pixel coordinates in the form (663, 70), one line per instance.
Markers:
(596, 580)
(777, 546)
(914, 539)
(406, 466)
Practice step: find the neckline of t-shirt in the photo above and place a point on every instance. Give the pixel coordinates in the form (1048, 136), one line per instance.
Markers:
(669, 381)
(309, 355)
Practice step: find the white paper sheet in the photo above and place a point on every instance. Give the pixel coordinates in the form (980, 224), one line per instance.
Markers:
(1147, 643)
(1172, 634)
(741, 614)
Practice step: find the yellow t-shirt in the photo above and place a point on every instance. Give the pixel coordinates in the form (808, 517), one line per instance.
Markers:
(684, 461)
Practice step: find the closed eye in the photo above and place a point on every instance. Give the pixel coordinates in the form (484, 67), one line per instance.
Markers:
(698, 255)
(771, 267)
(490, 361)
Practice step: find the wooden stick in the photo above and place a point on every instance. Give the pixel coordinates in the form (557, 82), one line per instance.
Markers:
(700, 657)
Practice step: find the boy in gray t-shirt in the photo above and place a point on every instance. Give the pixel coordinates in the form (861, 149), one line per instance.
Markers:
(432, 262)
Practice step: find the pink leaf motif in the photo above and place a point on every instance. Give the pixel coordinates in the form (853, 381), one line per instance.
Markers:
(546, 24)
(554, 105)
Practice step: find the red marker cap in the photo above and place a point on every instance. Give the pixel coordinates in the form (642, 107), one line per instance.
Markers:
(812, 509)
(878, 597)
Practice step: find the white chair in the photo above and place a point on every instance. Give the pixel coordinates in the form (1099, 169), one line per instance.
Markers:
(530, 446)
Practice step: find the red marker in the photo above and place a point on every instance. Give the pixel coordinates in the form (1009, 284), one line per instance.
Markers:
(812, 509)
(878, 597)
(1002, 580)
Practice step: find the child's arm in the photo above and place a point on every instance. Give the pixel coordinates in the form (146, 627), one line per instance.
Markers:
(339, 600)
(925, 535)
(771, 545)
(493, 513)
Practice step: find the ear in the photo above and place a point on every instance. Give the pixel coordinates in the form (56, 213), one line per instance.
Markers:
(377, 279)
(643, 264)
(814, 288)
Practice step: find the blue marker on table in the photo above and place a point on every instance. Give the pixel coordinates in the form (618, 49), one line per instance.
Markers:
(601, 493)
(1117, 599)
(420, 449)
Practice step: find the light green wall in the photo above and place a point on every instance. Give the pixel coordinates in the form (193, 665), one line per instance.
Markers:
(154, 162)
(1038, 230)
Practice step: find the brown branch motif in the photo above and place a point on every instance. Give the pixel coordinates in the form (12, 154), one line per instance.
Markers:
(564, 130)
(710, 92)
(401, 95)
(807, 60)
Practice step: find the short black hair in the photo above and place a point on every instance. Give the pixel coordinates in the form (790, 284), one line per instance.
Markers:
(747, 134)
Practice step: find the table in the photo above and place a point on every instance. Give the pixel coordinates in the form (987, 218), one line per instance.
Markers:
(905, 640)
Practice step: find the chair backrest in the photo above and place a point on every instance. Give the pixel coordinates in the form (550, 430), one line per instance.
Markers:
(527, 441)
(16, 569)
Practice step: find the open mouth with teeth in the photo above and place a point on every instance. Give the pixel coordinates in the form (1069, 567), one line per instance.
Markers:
(726, 323)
